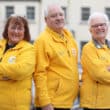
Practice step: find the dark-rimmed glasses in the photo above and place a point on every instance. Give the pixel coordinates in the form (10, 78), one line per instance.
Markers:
(99, 25)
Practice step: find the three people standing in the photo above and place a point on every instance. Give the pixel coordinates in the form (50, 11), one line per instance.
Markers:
(56, 72)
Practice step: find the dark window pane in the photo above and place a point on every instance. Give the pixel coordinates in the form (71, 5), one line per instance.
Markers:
(82, 43)
(31, 13)
(65, 12)
(85, 11)
(9, 11)
(107, 11)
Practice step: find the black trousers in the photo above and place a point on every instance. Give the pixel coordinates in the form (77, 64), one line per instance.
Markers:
(54, 108)
(94, 109)
(88, 109)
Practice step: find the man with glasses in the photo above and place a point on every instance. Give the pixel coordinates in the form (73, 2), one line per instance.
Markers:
(95, 60)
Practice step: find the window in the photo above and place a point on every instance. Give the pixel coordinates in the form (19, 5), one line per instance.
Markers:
(107, 11)
(82, 43)
(31, 13)
(65, 13)
(73, 32)
(85, 12)
(9, 11)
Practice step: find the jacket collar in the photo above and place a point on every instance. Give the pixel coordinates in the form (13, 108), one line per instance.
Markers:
(57, 37)
(99, 46)
(17, 46)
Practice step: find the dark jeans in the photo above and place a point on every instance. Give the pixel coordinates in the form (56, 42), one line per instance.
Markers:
(54, 108)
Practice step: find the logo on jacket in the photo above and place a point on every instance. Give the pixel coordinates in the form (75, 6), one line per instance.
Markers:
(73, 50)
(12, 59)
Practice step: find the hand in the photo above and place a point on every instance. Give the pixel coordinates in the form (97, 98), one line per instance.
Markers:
(5, 78)
(48, 107)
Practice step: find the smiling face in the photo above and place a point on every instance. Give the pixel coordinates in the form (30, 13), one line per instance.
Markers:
(15, 32)
(99, 28)
(55, 18)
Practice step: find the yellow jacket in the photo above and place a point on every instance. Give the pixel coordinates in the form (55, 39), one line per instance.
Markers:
(56, 75)
(16, 67)
(95, 89)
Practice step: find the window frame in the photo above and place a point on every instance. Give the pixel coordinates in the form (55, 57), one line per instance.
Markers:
(85, 11)
(9, 11)
(30, 13)
(107, 12)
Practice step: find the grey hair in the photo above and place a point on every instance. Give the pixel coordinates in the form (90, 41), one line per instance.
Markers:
(46, 10)
(96, 14)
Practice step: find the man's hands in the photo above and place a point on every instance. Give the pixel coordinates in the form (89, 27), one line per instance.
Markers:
(48, 107)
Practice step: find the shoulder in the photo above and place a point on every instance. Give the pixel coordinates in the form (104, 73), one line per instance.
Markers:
(2, 42)
(88, 46)
(44, 37)
(25, 45)
(69, 34)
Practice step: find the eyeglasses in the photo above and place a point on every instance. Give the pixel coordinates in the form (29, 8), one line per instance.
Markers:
(97, 25)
